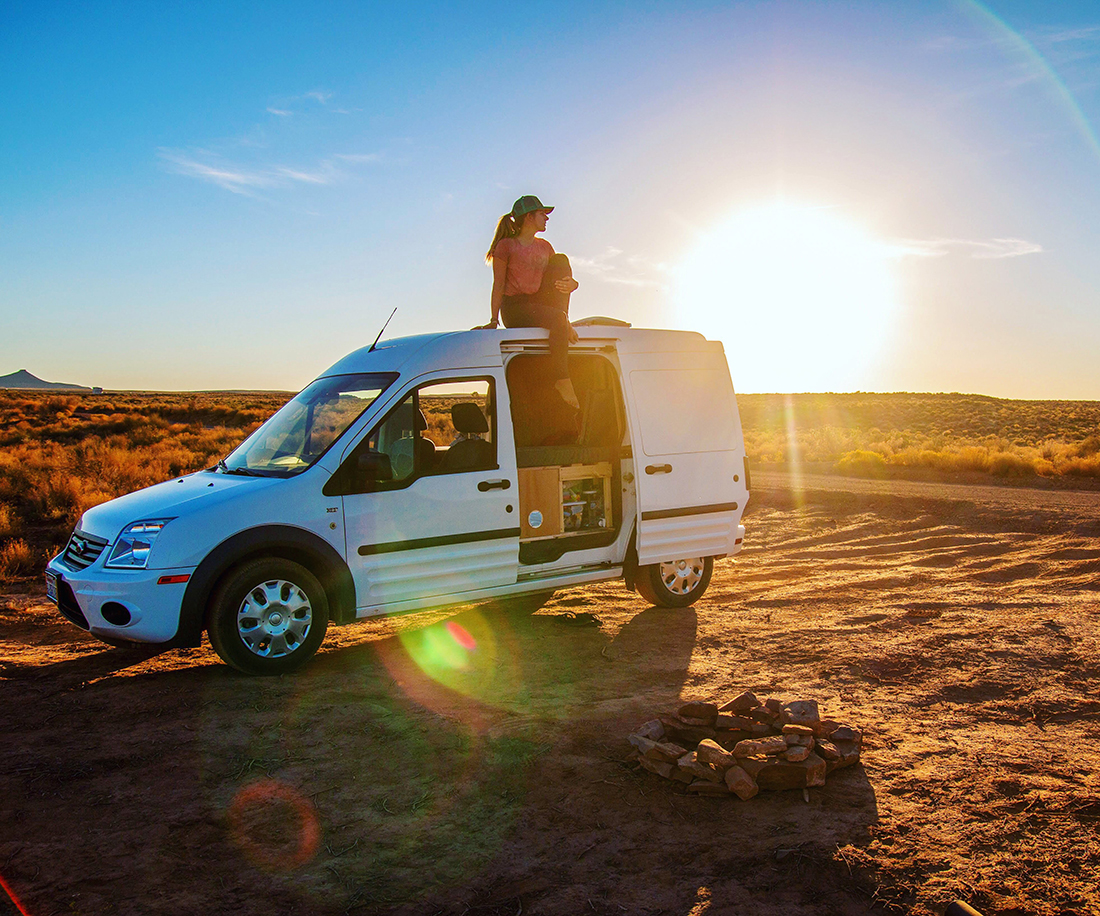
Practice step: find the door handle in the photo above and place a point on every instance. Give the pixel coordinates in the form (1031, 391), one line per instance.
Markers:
(658, 468)
(486, 485)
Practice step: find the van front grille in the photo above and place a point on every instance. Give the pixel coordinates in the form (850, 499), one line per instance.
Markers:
(83, 550)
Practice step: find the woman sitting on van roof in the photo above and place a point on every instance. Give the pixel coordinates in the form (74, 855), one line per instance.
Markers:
(532, 284)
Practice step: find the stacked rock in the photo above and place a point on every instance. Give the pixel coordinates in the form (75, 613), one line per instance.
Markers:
(744, 746)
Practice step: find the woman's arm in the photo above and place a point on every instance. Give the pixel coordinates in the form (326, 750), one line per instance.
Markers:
(500, 271)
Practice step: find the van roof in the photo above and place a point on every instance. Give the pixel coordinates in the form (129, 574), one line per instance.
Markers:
(482, 348)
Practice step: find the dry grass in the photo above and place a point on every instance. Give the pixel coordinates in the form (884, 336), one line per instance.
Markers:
(437, 411)
(17, 560)
(876, 434)
(62, 454)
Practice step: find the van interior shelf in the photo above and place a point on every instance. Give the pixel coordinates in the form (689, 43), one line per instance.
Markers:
(565, 501)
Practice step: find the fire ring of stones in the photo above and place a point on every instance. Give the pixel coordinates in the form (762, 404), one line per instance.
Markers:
(744, 746)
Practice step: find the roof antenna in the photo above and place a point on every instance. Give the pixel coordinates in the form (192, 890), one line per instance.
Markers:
(380, 333)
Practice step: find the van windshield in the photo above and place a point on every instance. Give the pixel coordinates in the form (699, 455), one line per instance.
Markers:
(305, 426)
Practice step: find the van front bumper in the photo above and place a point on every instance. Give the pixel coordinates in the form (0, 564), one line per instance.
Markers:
(142, 598)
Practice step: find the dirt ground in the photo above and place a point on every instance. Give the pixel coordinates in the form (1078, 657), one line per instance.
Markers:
(476, 762)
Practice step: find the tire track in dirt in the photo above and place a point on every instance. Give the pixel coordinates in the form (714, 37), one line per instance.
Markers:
(961, 622)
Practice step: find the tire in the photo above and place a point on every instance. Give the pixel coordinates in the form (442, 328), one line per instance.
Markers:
(677, 584)
(267, 616)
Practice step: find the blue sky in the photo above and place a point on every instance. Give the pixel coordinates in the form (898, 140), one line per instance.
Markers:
(198, 196)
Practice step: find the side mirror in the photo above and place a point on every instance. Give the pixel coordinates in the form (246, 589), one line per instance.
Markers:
(372, 467)
(360, 474)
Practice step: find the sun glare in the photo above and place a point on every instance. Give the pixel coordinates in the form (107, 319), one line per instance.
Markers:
(803, 299)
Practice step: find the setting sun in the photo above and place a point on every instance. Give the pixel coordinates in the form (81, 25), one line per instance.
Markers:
(803, 298)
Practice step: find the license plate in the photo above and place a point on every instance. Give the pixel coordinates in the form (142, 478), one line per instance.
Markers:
(51, 587)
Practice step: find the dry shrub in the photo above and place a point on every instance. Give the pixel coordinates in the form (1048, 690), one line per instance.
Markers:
(9, 521)
(949, 433)
(862, 463)
(1010, 464)
(59, 405)
(1080, 467)
(16, 561)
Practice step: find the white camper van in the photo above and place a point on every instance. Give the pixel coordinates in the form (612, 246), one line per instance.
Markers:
(422, 472)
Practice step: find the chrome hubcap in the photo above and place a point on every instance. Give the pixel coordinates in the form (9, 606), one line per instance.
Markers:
(274, 618)
(681, 577)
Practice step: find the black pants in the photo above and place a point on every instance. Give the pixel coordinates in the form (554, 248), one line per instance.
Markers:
(548, 308)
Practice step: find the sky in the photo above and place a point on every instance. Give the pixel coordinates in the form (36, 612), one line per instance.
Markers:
(876, 196)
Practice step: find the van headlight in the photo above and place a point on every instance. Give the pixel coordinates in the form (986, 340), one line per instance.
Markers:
(134, 543)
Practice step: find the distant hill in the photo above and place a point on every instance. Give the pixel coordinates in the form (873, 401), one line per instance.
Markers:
(23, 379)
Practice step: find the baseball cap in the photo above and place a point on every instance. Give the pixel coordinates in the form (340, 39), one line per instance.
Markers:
(528, 204)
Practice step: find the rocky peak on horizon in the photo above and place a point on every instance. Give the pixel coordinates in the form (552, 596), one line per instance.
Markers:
(23, 379)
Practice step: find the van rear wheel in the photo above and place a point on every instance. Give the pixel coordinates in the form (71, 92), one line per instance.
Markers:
(679, 583)
(268, 617)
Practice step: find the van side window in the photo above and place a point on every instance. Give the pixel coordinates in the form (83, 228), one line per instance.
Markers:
(440, 428)
(459, 423)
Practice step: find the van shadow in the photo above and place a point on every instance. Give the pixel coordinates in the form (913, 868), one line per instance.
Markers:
(481, 758)
(488, 664)
(552, 705)
(106, 661)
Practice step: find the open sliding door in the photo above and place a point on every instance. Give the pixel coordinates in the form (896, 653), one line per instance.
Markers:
(688, 454)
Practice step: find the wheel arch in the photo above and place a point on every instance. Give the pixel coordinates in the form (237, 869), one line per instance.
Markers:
(284, 541)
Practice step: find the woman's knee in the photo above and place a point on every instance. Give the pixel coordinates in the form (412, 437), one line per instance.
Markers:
(558, 267)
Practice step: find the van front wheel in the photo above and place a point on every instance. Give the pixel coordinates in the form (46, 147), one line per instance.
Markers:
(268, 617)
(676, 584)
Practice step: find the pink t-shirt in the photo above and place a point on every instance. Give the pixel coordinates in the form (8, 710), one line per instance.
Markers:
(524, 264)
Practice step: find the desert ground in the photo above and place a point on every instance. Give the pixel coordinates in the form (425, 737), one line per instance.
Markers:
(403, 773)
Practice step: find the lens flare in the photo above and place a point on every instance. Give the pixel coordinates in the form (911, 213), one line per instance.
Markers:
(461, 635)
(1021, 48)
(11, 894)
(462, 667)
(275, 826)
(794, 452)
(459, 656)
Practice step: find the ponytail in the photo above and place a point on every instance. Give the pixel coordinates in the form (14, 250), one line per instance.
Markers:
(507, 228)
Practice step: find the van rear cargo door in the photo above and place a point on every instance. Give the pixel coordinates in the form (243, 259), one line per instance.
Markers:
(688, 452)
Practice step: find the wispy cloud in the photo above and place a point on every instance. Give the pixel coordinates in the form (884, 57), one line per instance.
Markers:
(611, 267)
(980, 249)
(237, 180)
(1057, 36)
(207, 166)
(286, 106)
(1034, 51)
(1051, 35)
(327, 173)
